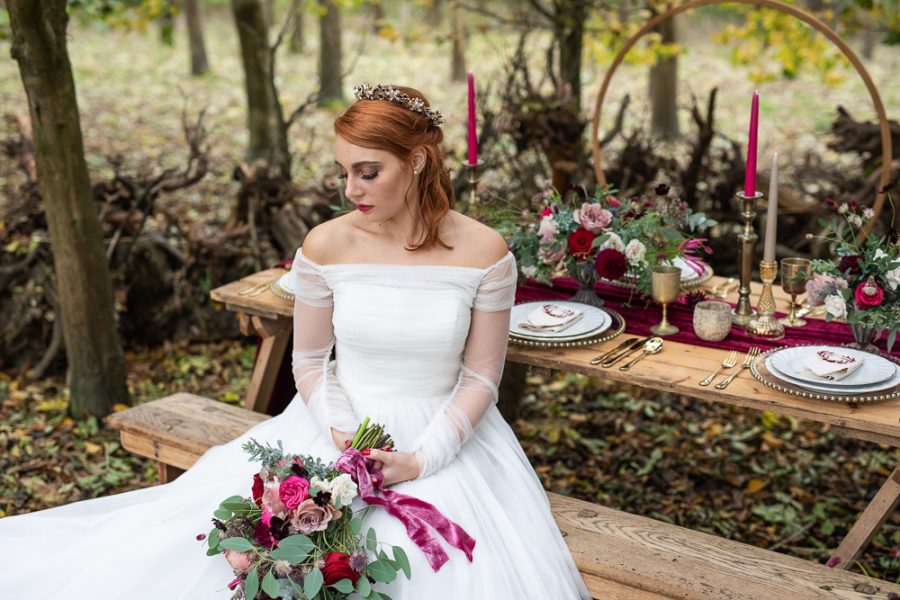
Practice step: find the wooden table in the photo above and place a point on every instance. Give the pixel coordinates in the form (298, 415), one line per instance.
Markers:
(677, 370)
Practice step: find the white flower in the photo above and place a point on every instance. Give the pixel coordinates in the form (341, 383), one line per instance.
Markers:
(613, 241)
(893, 278)
(343, 490)
(530, 271)
(316, 484)
(880, 254)
(842, 209)
(634, 252)
(855, 220)
(835, 306)
(869, 213)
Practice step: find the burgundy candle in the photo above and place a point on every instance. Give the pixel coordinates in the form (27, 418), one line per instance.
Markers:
(750, 174)
(473, 137)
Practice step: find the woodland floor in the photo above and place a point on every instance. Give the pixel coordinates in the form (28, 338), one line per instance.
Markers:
(750, 476)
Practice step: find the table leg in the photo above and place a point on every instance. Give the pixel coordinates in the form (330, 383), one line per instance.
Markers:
(166, 472)
(275, 336)
(871, 519)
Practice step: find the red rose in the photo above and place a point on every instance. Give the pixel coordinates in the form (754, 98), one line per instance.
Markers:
(337, 567)
(293, 491)
(258, 489)
(868, 295)
(611, 264)
(546, 212)
(849, 265)
(613, 202)
(580, 242)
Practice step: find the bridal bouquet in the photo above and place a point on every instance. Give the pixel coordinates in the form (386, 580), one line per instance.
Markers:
(296, 536)
(616, 239)
(862, 283)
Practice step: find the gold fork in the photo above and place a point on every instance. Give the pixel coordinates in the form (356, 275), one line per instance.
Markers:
(730, 361)
(752, 354)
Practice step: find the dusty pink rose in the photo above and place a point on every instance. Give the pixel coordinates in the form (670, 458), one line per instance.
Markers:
(310, 517)
(868, 295)
(239, 561)
(593, 217)
(553, 258)
(293, 491)
(272, 499)
(548, 229)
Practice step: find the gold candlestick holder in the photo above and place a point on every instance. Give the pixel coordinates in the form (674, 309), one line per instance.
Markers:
(765, 324)
(743, 313)
(473, 179)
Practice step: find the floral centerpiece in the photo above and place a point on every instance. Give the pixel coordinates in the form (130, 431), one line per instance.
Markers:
(606, 237)
(862, 283)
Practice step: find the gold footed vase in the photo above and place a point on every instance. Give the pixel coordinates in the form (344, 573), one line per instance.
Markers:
(765, 325)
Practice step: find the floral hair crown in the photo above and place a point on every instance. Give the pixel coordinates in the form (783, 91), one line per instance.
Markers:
(391, 94)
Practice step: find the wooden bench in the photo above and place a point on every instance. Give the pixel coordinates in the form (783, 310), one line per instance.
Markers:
(621, 556)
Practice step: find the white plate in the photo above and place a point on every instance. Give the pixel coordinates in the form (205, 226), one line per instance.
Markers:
(286, 282)
(594, 321)
(828, 388)
(875, 369)
(687, 273)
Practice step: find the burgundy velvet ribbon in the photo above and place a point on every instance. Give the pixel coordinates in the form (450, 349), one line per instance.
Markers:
(641, 313)
(415, 514)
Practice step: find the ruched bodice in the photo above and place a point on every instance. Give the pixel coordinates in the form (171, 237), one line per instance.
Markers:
(399, 338)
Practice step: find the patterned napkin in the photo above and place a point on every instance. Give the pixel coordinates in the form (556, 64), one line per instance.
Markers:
(830, 365)
(551, 317)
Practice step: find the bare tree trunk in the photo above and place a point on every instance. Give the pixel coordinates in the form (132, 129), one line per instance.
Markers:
(269, 12)
(435, 13)
(331, 79)
(569, 33)
(199, 63)
(458, 66)
(664, 87)
(265, 120)
(96, 375)
(298, 41)
(377, 16)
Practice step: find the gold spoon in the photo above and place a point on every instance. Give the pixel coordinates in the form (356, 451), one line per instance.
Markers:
(651, 346)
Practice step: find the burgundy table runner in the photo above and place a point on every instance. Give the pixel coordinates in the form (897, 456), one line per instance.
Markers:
(641, 313)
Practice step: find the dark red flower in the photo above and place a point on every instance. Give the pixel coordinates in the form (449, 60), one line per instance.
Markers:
(661, 190)
(850, 265)
(830, 202)
(337, 567)
(868, 295)
(258, 488)
(546, 211)
(611, 264)
(262, 535)
(580, 242)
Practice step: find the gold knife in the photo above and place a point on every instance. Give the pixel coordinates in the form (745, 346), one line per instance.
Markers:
(599, 358)
(627, 352)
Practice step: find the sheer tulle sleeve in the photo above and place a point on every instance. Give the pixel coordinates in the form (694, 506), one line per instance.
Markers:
(477, 388)
(313, 342)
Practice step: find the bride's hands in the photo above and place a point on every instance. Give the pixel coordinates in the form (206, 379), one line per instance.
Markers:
(394, 466)
(342, 439)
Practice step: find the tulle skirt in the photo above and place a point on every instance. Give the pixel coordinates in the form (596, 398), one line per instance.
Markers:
(142, 544)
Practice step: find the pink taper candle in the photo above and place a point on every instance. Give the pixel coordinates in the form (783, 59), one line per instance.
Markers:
(750, 174)
(473, 137)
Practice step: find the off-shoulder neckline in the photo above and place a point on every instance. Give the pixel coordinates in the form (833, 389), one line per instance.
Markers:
(403, 265)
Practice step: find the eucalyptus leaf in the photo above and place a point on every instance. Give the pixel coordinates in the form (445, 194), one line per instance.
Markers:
(237, 544)
(382, 571)
(356, 525)
(251, 584)
(402, 561)
(313, 583)
(344, 586)
(363, 587)
(222, 514)
(231, 500)
(371, 540)
(270, 585)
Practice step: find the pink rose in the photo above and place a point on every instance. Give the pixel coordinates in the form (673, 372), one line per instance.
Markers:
(239, 561)
(293, 491)
(547, 229)
(272, 499)
(553, 258)
(593, 217)
(311, 517)
(868, 295)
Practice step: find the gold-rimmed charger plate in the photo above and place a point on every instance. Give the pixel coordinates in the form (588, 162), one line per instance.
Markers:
(762, 374)
(280, 292)
(617, 327)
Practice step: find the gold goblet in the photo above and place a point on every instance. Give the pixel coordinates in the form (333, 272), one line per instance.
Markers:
(794, 275)
(665, 285)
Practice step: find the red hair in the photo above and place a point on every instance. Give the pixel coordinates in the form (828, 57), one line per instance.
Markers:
(384, 125)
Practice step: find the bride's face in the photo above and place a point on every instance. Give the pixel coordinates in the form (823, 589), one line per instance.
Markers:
(375, 181)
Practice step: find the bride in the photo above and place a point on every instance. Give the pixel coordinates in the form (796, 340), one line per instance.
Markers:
(414, 298)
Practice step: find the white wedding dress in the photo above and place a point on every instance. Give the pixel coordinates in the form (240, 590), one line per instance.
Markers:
(420, 349)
